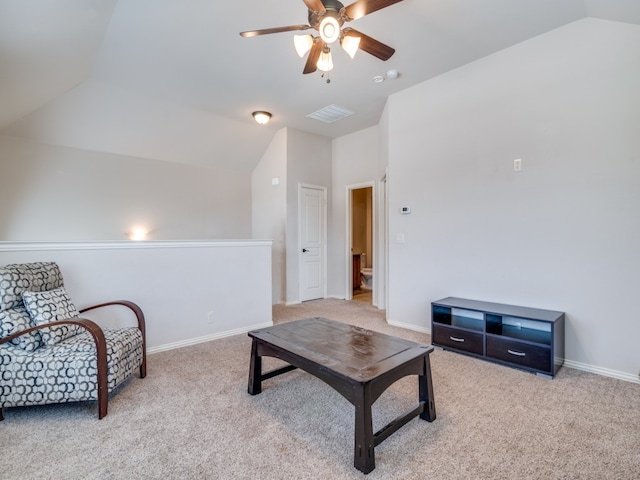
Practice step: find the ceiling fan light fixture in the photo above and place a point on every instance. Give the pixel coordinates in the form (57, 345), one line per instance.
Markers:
(261, 117)
(327, 17)
(303, 44)
(329, 29)
(325, 62)
(350, 44)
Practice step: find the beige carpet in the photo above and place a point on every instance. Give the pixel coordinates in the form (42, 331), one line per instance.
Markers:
(191, 418)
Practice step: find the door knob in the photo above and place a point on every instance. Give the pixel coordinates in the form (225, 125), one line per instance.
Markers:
(304, 250)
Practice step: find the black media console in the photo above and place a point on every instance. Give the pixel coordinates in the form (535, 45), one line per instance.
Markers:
(527, 338)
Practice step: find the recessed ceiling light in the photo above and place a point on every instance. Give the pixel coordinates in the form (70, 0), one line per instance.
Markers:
(378, 79)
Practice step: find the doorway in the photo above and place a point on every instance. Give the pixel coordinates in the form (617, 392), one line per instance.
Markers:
(361, 243)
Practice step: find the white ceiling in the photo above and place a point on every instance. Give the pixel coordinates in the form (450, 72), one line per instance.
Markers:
(173, 80)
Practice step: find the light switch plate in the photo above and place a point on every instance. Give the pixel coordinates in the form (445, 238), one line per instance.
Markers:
(517, 165)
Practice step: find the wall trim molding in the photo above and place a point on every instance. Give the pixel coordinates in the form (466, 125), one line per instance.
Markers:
(119, 245)
(606, 372)
(409, 326)
(206, 338)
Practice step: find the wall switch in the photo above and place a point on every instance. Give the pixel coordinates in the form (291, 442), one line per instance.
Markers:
(517, 165)
(399, 237)
(209, 317)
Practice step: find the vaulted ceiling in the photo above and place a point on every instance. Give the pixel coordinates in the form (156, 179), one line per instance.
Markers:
(173, 80)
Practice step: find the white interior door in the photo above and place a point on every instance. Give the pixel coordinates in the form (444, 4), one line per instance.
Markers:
(312, 242)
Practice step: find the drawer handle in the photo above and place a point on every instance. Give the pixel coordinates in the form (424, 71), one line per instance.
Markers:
(457, 339)
(517, 354)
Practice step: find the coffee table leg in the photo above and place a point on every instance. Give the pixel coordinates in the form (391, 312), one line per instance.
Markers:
(255, 370)
(425, 392)
(364, 456)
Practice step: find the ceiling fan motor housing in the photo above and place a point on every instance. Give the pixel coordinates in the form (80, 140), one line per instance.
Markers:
(332, 9)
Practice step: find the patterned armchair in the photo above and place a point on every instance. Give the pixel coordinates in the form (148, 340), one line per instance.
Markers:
(50, 355)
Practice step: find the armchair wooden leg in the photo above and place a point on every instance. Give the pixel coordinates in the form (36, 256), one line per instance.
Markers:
(101, 364)
(143, 367)
(102, 405)
(103, 388)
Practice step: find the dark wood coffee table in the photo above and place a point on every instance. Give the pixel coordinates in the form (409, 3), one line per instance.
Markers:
(358, 363)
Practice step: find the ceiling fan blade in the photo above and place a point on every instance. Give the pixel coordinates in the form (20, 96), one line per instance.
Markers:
(361, 8)
(371, 45)
(314, 55)
(266, 31)
(314, 5)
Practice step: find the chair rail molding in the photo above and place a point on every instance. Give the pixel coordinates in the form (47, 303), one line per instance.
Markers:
(127, 244)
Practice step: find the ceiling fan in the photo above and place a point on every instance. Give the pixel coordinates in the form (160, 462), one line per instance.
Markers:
(328, 18)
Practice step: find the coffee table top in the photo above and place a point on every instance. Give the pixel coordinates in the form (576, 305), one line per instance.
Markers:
(354, 352)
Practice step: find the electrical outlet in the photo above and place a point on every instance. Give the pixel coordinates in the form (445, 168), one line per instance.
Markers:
(209, 317)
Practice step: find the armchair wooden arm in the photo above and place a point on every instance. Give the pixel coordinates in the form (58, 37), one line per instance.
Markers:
(141, 325)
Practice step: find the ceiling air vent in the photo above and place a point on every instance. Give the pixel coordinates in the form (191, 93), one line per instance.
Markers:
(331, 114)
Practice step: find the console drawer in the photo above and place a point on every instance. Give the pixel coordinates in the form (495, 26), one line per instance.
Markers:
(458, 339)
(518, 353)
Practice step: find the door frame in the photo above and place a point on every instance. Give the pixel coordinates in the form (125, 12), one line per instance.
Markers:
(324, 238)
(382, 235)
(348, 258)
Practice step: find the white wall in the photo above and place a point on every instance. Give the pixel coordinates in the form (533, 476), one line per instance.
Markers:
(50, 193)
(296, 158)
(308, 162)
(176, 284)
(562, 234)
(269, 208)
(354, 162)
(99, 116)
(47, 49)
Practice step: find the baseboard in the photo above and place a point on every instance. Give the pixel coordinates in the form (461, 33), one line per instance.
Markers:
(628, 377)
(606, 372)
(409, 326)
(206, 338)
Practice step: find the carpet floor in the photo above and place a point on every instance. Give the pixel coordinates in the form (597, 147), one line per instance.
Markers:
(192, 418)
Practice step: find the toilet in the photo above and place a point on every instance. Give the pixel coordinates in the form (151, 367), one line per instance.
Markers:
(366, 278)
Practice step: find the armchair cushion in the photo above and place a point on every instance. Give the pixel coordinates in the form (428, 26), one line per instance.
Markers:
(50, 306)
(66, 371)
(15, 320)
(16, 279)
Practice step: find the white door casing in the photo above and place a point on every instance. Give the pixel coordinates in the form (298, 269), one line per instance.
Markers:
(313, 240)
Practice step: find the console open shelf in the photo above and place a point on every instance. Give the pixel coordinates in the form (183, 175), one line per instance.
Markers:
(528, 338)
